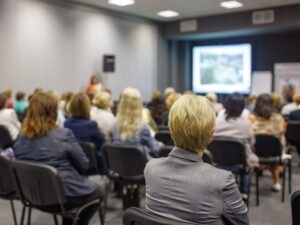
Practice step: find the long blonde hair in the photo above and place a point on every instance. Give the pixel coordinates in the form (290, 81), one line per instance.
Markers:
(129, 115)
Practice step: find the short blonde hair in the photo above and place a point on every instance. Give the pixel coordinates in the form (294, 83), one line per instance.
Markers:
(102, 100)
(212, 97)
(168, 91)
(171, 99)
(296, 98)
(192, 123)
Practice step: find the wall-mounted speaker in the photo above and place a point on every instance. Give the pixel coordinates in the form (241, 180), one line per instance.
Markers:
(109, 63)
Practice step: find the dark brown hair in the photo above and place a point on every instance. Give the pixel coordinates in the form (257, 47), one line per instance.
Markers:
(264, 106)
(80, 106)
(20, 96)
(234, 106)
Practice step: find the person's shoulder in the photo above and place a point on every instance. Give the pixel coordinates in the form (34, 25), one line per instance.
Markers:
(218, 177)
(154, 164)
(61, 132)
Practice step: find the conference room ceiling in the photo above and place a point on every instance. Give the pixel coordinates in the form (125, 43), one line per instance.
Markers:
(186, 8)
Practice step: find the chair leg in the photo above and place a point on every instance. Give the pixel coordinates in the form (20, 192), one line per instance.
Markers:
(23, 215)
(101, 216)
(55, 219)
(257, 188)
(13, 212)
(283, 184)
(29, 216)
(290, 176)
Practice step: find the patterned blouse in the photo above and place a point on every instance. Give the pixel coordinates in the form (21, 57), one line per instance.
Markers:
(275, 125)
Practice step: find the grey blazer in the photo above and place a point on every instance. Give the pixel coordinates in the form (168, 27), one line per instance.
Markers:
(184, 188)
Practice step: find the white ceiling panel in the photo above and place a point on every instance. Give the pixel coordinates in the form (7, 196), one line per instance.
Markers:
(186, 8)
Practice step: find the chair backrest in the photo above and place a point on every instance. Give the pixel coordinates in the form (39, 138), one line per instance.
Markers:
(292, 132)
(38, 184)
(5, 138)
(138, 216)
(207, 157)
(228, 152)
(126, 160)
(163, 127)
(164, 136)
(6, 181)
(295, 202)
(90, 152)
(267, 146)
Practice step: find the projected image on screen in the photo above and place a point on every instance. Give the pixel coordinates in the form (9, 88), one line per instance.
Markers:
(222, 69)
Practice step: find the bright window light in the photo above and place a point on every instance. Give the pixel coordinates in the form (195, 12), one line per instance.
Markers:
(121, 2)
(231, 4)
(168, 13)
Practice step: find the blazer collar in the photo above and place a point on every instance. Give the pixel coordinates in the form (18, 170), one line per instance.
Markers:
(185, 154)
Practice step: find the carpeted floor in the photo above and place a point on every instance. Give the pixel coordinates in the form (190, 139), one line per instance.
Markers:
(270, 212)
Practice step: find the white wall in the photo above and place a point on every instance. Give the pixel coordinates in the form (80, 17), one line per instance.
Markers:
(59, 46)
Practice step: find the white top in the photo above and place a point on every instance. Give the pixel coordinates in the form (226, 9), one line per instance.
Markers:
(105, 120)
(9, 119)
(287, 109)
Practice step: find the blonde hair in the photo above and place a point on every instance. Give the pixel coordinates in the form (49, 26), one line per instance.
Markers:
(276, 101)
(155, 94)
(212, 97)
(168, 91)
(129, 115)
(192, 123)
(80, 106)
(41, 115)
(296, 98)
(102, 100)
(171, 99)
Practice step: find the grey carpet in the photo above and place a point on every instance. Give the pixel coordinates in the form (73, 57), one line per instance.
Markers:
(270, 212)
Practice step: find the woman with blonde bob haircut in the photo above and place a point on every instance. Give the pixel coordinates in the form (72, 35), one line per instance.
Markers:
(42, 141)
(181, 186)
(129, 127)
(101, 113)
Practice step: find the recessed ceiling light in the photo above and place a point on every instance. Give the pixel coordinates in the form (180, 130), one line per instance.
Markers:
(168, 13)
(231, 4)
(121, 2)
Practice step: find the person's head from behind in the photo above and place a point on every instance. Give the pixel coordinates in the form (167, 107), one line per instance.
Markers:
(155, 95)
(41, 115)
(264, 106)
(7, 93)
(20, 96)
(234, 106)
(192, 123)
(212, 97)
(288, 92)
(3, 100)
(102, 100)
(296, 98)
(168, 91)
(276, 101)
(171, 99)
(129, 114)
(94, 80)
(79, 106)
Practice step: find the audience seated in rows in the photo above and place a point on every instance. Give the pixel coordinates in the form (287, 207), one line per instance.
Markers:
(42, 141)
(129, 127)
(233, 125)
(181, 186)
(85, 129)
(9, 118)
(266, 121)
(101, 113)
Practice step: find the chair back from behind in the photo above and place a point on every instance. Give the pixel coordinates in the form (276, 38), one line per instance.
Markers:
(165, 150)
(228, 152)
(5, 138)
(6, 181)
(38, 184)
(164, 136)
(138, 216)
(90, 152)
(267, 146)
(295, 202)
(292, 132)
(207, 157)
(126, 160)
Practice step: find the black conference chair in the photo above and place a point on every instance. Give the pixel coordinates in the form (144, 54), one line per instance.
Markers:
(164, 137)
(39, 185)
(126, 164)
(295, 203)
(5, 138)
(162, 128)
(137, 216)
(229, 153)
(7, 189)
(292, 134)
(90, 152)
(269, 151)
